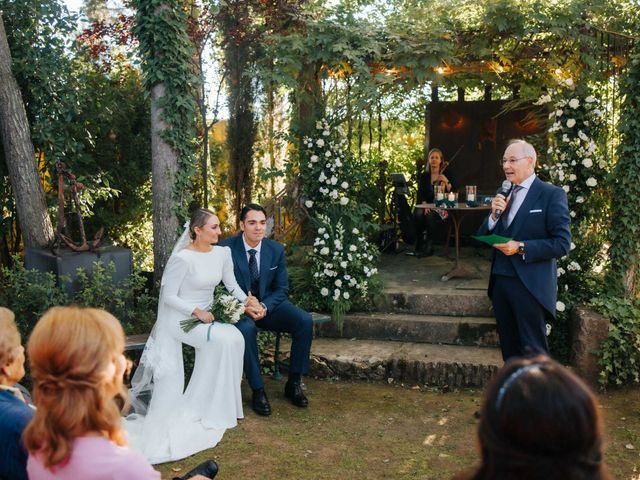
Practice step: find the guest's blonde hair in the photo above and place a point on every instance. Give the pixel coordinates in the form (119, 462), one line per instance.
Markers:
(70, 349)
(9, 337)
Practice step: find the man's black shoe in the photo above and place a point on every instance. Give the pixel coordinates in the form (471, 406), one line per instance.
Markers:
(260, 403)
(293, 391)
(207, 469)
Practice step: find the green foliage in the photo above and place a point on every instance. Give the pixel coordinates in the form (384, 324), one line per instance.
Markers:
(167, 54)
(128, 301)
(624, 272)
(28, 293)
(620, 352)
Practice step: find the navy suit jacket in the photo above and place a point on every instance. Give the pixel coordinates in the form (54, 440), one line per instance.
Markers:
(542, 223)
(274, 279)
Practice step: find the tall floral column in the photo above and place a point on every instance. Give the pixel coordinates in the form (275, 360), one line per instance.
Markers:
(343, 260)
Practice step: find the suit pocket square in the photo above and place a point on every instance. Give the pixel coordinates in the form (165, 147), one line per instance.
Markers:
(536, 211)
(273, 268)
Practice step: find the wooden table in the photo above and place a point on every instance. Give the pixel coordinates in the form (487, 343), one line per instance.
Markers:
(457, 214)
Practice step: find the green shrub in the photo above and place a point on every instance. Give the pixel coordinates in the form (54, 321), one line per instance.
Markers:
(28, 293)
(620, 352)
(128, 300)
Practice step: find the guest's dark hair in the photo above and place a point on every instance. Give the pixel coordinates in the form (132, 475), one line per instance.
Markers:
(199, 218)
(251, 206)
(539, 421)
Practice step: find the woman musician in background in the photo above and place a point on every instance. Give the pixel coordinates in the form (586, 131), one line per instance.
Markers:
(427, 220)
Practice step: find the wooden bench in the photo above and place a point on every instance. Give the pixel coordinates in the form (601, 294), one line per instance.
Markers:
(137, 342)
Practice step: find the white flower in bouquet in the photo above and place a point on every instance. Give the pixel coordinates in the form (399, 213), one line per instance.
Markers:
(558, 113)
(327, 153)
(314, 158)
(344, 185)
(225, 309)
(571, 123)
(324, 251)
(320, 142)
(591, 182)
(587, 163)
(574, 103)
(333, 194)
(344, 201)
(324, 291)
(338, 282)
(352, 248)
(334, 180)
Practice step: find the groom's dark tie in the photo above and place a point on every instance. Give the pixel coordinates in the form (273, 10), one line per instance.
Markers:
(253, 272)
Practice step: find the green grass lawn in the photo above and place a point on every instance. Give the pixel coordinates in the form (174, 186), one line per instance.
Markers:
(370, 431)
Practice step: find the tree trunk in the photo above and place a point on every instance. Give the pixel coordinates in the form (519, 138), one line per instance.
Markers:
(164, 168)
(20, 157)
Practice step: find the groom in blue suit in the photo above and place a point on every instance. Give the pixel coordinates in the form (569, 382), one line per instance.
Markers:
(523, 282)
(260, 269)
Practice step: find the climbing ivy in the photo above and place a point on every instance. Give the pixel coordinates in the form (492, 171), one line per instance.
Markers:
(624, 271)
(167, 55)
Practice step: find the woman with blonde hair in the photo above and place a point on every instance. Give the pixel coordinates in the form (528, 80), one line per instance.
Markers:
(15, 413)
(77, 364)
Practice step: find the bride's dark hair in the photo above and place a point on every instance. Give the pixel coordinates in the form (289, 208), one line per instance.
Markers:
(199, 218)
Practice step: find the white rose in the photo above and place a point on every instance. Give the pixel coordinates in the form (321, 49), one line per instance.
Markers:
(321, 230)
(344, 185)
(580, 199)
(308, 203)
(324, 291)
(574, 103)
(325, 133)
(320, 142)
(572, 177)
(344, 264)
(334, 180)
(346, 295)
(572, 214)
(327, 153)
(344, 201)
(352, 248)
(326, 235)
(591, 182)
(560, 271)
(587, 163)
(590, 99)
(560, 306)
(319, 125)
(571, 123)
(566, 188)
(355, 231)
(314, 158)
(558, 113)
(338, 282)
(569, 82)
(324, 251)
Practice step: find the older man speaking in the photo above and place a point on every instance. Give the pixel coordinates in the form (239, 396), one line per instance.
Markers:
(523, 283)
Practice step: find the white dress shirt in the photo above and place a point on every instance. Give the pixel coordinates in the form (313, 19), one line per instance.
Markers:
(517, 201)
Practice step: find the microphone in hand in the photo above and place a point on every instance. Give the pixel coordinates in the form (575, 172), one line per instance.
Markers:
(504, 190)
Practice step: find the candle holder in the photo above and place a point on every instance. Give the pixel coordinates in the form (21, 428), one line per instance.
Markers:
(451, 200)
(472, 197)
(439, 196)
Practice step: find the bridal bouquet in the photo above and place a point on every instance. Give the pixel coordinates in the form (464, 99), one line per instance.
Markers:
(225, 309)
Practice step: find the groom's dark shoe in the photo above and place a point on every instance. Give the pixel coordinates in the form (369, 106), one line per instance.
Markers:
(293, 391)
(208, 469)
(260, 403)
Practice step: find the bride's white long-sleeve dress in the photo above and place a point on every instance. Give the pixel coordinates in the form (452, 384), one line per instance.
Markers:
(168, 424)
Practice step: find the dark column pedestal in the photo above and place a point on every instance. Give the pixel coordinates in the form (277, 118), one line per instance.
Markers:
(67, 262)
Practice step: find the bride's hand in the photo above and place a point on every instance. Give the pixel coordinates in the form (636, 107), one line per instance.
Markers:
(251, 301)
(203, 315)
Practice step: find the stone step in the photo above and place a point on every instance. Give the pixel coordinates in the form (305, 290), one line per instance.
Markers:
(432, 301)
(446, 366)
(404, 327)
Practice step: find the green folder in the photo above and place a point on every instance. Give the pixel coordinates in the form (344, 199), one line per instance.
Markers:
(491, 239)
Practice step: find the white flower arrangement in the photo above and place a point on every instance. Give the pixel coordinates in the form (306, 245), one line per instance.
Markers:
(225, 309)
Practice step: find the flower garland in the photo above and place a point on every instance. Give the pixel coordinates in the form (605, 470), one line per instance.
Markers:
(578, 164)
(343, 260)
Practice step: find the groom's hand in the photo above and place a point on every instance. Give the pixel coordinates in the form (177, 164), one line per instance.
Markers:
(255, 312)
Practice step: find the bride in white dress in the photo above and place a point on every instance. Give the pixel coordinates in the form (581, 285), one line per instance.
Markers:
(168, 424)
